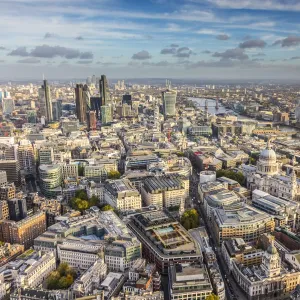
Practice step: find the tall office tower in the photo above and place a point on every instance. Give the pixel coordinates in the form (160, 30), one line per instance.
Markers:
(91, 120)
(104, 91)
(50, 179)
(169, 103)
(87, 97)
(1, 95)
(45, 102)
(26, 156)
(96, 105)
(106, 114)
(80, 103)
(57, 110)
(25, 231)
(127, 99)
(12, 168)
(17, 209)
(46, 156)
(8, 105)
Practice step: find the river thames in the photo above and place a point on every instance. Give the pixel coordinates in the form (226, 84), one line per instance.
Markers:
(213, 111)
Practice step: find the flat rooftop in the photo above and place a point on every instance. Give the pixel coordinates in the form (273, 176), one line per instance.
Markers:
(162, 183)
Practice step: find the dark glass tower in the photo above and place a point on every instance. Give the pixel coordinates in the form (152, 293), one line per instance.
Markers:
(81, 107)
(104, 90)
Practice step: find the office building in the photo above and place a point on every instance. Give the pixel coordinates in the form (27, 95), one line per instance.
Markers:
(140, 161)
(189, 282)
(12, 169)
(165, 241)
(81, 104)
(4, 211)
(245, 222)
(96, 105)
(284, 211)
(8, 105)
(91, 279)
(165, 191)
(57, 110)
(45, 102)
(36, 270)
(236, 249)
(24, 231)
(169, 103)
(3, 178)
(26, 156)
(122, 195)
(106, 114)
(46, 155)
(96, 173)
(8, 191)
(79, 254)
(91, 120)
(97, 234)
(17, 209)
(104, 91)
(126, 99)
(50, 180)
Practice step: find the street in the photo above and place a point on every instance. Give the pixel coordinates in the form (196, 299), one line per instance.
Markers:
(233, 291)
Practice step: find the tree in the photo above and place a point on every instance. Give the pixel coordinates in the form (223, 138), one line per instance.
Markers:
(63, 269)
(212, 297)
(52, 280)
(93, 201)
(62, 278)
(239, 177)
(107, 207)
(114, 175)
(81, 194)
(190, 219)
(79, 204)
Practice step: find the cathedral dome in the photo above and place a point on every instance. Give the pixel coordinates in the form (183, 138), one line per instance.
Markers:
(268, 155)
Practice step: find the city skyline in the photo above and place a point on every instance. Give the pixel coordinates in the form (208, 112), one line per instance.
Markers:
(159, 38)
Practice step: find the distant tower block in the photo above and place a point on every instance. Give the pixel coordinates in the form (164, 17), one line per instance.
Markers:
(206, 105)
(217, 103)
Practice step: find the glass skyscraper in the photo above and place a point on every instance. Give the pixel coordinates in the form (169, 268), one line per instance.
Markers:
(169, 103)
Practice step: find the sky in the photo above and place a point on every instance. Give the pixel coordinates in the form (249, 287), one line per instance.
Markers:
(205, 39)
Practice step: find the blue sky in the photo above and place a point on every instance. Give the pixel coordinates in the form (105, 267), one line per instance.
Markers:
(205, 39)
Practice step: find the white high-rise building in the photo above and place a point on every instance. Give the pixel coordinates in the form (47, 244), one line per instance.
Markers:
(8, 105)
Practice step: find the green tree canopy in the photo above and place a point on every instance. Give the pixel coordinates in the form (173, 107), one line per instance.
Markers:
(93, 201)
(114, 175)
(62, 278)
(78, 204)
(107, 207)
(190, 219)
(81, 194)
(239, 177)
